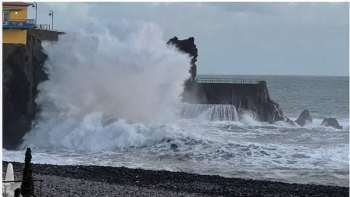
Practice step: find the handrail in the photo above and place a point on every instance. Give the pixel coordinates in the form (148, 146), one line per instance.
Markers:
(43, 26)
(227, 80)
(19, 23)
(29, 21)
(33, 180)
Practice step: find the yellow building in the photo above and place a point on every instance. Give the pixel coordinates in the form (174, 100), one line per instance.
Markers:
(15, 23)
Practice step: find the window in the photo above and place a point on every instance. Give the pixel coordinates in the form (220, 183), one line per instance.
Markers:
(5, 16)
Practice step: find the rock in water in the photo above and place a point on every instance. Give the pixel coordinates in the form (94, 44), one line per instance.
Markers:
(289, 121)
(331, 122)
(173, 146)
(187, 46)
(279, 116)
(304, 118)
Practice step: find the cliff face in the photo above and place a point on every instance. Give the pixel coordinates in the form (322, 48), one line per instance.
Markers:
(22, 72)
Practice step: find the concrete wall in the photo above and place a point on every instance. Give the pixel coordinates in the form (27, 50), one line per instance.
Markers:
(219, 93)
(234, 94)
(45, 35)
(14, 36)
(251, 97)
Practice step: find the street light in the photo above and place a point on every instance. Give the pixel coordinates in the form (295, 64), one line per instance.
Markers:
(35, 5)
(51, 14)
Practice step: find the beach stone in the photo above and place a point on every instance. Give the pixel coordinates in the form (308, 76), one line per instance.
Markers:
(68, 180)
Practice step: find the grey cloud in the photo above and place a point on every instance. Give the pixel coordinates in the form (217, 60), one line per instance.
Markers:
(236, 38)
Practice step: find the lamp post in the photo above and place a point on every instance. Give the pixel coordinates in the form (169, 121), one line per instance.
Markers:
(35, 5)
(51, 14)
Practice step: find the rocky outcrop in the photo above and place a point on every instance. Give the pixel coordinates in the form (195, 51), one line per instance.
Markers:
(261, 104)
(187, 46)
(331, 122)
(304, 118)
(22, 72)
(289, 121)
(251, 97)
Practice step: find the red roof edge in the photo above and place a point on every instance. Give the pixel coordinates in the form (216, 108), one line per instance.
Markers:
(16, 4)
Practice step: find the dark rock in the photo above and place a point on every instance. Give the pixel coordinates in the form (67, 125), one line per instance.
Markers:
(331, 122)
(279, 116)
(188, 46)
(17, 192)
(285, 119)
(22, 72)
(173, 146)
(304, 118)
(289, 121)
(257, 99)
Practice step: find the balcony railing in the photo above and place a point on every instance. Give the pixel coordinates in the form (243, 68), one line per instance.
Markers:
(227, 80)
(19, 24)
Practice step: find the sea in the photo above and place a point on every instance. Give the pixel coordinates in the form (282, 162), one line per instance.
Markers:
(115, 106)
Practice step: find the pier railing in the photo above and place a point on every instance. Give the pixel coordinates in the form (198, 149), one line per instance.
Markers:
(227, 80)
(43, 26)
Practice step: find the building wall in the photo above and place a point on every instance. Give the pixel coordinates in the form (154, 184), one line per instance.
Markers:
(20, 14)
(14, 36)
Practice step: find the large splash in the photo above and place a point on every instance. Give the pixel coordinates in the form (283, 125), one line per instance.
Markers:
(122, 73)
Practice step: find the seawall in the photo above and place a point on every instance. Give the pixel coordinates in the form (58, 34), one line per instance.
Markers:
(252, 97)
(23, 70)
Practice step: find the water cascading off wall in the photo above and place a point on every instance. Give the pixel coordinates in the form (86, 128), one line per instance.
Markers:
(209, 112)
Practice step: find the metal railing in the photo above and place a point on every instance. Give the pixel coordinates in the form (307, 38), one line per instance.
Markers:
(43, 26)
(35, 181)
(18, 24)
(227, 80)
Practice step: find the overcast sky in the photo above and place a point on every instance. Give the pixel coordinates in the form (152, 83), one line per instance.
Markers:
(233, 38)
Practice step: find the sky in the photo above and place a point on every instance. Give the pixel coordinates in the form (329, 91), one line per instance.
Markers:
(232, 38)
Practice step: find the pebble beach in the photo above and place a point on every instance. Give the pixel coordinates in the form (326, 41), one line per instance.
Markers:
(66, 181)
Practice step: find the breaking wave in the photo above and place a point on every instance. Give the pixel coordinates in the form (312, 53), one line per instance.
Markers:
(133, 76)
(112, 98)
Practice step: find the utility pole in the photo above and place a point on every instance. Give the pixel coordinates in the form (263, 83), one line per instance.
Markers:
(51, 14)
(35, 5)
